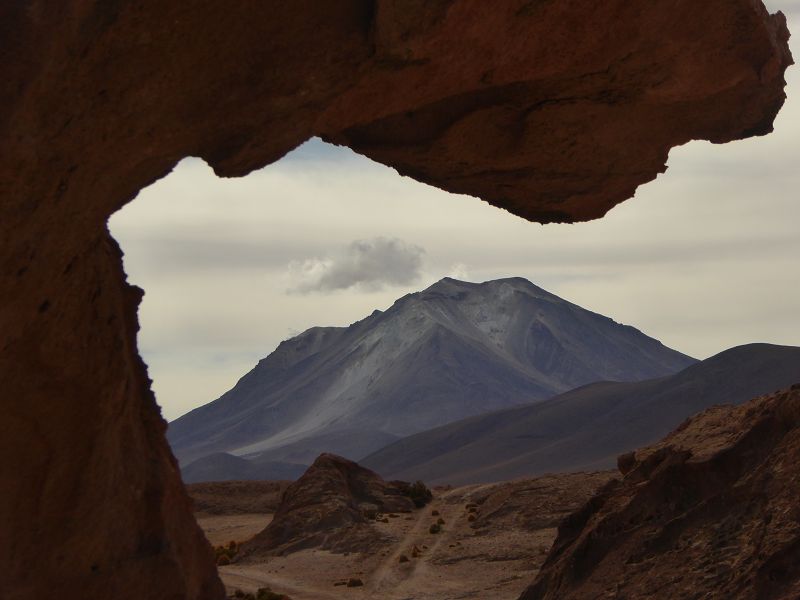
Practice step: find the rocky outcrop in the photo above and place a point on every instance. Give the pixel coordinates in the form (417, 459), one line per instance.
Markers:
(532, 505)
(553, 110)
(330, 507)
(709, 512)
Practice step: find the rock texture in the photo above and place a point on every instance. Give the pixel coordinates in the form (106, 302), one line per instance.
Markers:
(330, 507)
(554, 110)
(709, 512)
(453, 350)
(531, 505)
(237, 497)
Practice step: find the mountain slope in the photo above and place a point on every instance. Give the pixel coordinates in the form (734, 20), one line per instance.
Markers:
(586, 428)
(451, 351)
(227, 467)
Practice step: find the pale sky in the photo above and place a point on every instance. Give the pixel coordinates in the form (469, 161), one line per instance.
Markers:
(704, 258)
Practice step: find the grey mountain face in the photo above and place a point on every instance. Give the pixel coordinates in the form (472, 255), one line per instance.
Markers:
(226, 467)
(586, 428)
(454, 350)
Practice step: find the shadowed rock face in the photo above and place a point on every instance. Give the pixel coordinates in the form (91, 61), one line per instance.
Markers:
(554, 110)
(709, 512)
(330, 507)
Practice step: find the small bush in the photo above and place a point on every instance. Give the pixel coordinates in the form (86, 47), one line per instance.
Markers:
(415, 552)
(403, 558)
(435, 528)
(419, 494)
(471, 518)
(440, 521)
(434, 513)
(224, 554)
(354, 582)
(267, 594)
(238, 593)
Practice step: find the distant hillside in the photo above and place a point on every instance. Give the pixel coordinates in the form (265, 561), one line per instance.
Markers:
(236, 497)
(587, 428)
(454, 350)
(227, 467)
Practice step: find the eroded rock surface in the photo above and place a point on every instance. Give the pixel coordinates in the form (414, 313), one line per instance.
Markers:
(330, 507)
(237, 497)
(554, 110)
(710, 512)
(534, 504)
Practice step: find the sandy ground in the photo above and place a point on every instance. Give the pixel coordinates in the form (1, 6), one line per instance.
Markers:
(221, 529)
(495, 562)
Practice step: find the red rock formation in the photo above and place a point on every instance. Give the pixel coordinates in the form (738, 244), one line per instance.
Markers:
(534, 504)
(710, 512)
(330, 507)
(554, 110)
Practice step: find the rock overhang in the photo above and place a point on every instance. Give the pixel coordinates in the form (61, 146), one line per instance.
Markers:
(555, 111)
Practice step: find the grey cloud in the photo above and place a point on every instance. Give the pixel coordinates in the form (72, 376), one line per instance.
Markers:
(164, 254)
(367, 264)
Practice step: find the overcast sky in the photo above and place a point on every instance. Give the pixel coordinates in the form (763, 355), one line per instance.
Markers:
(704, 258)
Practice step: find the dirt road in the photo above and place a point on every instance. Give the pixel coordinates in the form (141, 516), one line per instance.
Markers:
(457, 563)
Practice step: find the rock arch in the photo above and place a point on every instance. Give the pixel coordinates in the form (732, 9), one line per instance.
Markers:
(555, 111)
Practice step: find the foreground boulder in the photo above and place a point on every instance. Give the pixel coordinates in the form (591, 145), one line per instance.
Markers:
(710, 512)
(331, 507)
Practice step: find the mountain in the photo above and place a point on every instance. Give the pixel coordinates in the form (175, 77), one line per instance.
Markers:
(587, 428)
(222, 466)
(454, 350)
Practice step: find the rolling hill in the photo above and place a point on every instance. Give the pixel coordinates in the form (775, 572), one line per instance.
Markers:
(586, 428)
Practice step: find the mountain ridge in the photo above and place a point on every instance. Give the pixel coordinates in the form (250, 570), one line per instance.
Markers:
(585, 428)
(452, 350)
